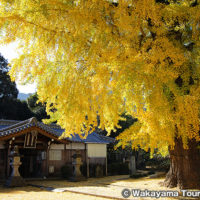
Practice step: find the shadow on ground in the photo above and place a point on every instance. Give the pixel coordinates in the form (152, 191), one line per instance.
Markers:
(109, 187)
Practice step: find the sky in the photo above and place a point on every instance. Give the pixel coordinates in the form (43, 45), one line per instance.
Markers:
(9, 52)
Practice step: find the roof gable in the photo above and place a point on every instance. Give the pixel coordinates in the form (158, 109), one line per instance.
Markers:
(11, 128)
(21, 127)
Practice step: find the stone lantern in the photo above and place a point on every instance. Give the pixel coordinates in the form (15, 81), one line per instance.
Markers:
(76, 163)
(15, 179)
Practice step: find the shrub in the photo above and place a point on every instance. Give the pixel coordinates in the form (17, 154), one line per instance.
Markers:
(83, 169)
(123, 168)
(159, 163)
(118, 168)
(66, 171)
(92, 168)
(140, 175)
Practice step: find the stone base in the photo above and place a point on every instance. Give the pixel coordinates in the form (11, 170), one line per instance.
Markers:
(15, 181)
(76, 179)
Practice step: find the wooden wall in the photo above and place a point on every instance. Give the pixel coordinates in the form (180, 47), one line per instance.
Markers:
(94, 162)
(60, 155)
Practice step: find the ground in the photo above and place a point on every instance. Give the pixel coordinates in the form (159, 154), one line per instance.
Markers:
(94, 188)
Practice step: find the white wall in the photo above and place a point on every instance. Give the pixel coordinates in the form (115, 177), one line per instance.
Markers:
(93, 150)
(96, 150)
(57, 146)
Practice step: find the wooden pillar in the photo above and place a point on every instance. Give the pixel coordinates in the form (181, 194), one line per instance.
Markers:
(106, 162)
(65, 153)
(8, 158)
(47, 158)
(87, 161)
(8, 162)
(71, 154)
(47, 162)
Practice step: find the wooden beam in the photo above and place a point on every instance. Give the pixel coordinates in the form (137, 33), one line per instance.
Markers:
(47, 162)
(106, 162)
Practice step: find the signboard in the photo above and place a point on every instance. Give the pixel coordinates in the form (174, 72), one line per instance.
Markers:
(30, 139)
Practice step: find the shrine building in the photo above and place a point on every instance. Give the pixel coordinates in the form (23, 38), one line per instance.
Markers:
(43, 154)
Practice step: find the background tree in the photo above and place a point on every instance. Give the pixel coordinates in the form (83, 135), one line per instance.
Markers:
(38, 109)
(14, 109)
(10, 106)
(105, 58)
(8, 89)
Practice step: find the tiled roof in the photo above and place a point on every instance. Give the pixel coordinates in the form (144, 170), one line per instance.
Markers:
(91, 138)
(9, 127)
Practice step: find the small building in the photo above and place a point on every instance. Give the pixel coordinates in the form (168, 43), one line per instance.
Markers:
(43, 154)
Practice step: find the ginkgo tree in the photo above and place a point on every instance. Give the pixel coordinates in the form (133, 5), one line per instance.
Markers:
(104, 57)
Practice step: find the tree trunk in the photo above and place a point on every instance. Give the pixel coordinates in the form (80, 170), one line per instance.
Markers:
(184, 170)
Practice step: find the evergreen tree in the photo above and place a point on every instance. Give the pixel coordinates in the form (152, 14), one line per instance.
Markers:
(10, 106)
(8, 89)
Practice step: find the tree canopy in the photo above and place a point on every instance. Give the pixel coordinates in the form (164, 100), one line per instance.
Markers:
(105, 57)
